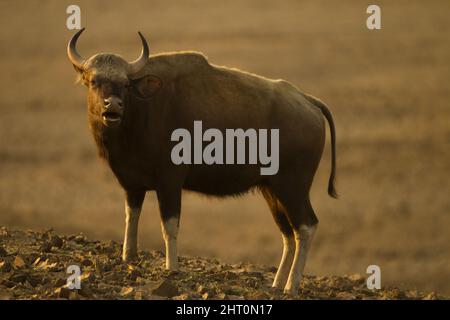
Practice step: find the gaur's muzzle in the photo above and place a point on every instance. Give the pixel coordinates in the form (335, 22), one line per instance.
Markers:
(112, 110)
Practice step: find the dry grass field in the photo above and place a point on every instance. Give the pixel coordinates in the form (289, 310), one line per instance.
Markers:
(389, 91)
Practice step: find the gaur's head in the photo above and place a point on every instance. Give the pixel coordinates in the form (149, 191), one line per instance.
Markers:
(108, 78)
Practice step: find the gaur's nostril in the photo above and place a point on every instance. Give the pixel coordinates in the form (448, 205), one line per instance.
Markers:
(112, 102)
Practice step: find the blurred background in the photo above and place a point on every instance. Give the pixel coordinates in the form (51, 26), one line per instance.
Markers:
(389, 91)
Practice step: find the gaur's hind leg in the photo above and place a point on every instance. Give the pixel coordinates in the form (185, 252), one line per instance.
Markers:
(304, 223)
(133, 206)
(293, 192)
(170, 206)
(286, 234)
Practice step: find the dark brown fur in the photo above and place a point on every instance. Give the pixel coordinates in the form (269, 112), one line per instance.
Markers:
(173, 91)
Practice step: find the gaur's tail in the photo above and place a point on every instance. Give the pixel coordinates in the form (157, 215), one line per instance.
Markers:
(326, 112)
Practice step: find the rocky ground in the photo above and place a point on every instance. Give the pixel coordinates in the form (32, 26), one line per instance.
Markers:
(33, 265)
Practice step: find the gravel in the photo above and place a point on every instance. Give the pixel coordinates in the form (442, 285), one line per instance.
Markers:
(33, 265)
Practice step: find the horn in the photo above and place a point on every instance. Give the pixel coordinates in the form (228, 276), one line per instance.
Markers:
(74, 56)
(140, 62)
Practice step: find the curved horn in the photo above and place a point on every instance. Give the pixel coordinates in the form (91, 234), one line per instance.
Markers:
(74, 56)
(140, 62)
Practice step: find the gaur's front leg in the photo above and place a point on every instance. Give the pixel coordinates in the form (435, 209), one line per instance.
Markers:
(170, 205)
(133, 206)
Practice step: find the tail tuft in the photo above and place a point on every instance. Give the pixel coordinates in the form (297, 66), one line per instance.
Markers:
(331, 189)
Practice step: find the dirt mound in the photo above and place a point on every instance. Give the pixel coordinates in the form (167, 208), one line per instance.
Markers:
(33, 265)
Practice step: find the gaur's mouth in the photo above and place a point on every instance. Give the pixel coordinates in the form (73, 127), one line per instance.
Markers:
(110, 116)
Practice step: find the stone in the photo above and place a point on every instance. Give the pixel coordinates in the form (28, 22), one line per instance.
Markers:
(3, 252)
(5, 266)
(56, 241)
(45, 247)
(34, 280)
(4, 294)
(73, 295)
(164, 288)
(126, 291)
(87, 262)
(18, 278)
(138, 295)
(431, 296)
(63, 292)
(184, 296)
(19, 263)
(59, 282)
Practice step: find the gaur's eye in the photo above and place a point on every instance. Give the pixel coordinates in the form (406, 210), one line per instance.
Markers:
(93, 83)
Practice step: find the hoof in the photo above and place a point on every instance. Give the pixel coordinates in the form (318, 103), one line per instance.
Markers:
(290, 292)
(277, 286)
(172, 267)
(129, 257)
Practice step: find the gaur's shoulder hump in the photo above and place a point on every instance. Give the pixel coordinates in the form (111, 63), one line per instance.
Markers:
(172, 64)
(191, 57)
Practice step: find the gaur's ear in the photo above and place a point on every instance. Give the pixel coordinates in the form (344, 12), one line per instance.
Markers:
(77, 69)
(81, 77)
(147, 86)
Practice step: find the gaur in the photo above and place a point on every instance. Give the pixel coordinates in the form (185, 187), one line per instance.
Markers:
(133, 108)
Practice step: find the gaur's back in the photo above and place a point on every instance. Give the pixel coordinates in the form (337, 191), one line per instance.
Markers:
(226, 97)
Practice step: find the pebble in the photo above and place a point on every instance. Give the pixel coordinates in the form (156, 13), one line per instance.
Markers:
(164, 288)
(56, 241)
(19, 263)
(127, 291)
(184, 296)
(5, 266)
(63, 292)
(87, 262)
(45, 247)
(3, 252)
